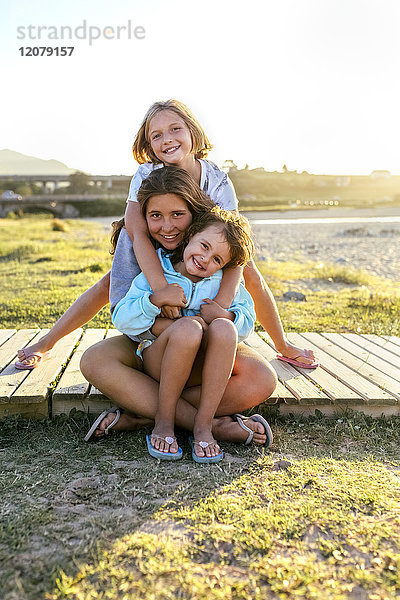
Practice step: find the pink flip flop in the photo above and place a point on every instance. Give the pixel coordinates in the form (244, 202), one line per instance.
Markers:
(297, 363)
(39, 356)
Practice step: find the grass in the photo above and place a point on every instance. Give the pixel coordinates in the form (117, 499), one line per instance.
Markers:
(317, 517)
(41, 278)
(338, 298)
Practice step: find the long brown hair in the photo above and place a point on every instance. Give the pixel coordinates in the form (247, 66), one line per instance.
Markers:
(142, 151)
(168, 180)
(235, 228)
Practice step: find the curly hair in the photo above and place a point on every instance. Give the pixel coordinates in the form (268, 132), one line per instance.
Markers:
(235, 228)
(142, 151)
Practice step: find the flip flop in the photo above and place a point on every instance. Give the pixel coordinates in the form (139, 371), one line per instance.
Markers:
(163, 455)
(297, 363)
(259, 419)
(90, 433)
(204, 459)
(40, 356)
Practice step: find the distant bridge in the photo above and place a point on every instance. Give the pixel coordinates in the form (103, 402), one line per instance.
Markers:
(59, 205)
(56, 180)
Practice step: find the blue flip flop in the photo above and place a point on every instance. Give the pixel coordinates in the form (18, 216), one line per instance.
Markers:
(204, 459)
(163, 455)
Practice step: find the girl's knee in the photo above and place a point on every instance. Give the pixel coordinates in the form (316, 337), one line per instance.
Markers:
(259, 380)
(186, 330)
(223, 330)
(89, 360)
(266, 381)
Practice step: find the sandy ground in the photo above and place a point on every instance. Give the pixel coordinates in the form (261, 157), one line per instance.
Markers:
(372, 246)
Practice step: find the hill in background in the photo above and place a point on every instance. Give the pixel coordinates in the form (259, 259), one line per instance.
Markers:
(15, 163)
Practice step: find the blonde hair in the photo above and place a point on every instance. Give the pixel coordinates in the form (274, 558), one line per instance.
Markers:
(168, 180)
(236, 229)
(142, 151)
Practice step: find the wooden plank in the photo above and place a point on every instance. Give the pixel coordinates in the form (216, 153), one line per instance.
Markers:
(364, 388)
(36, 386)
(392, 338)
(335, 349)
(386, 344)
(334, 388)
(295, 382)
(336, 410)
(22, 338)
(368, 358)
(371, 347)
(280, 392)
(5, 334)
(72, 382)
(72, 388)
(37, 410)
(11, 378)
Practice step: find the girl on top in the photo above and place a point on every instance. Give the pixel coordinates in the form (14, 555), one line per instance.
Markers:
(189, 352)
(169, 135)
(171, 201)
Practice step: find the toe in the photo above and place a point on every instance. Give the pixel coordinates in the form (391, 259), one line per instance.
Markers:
(105, 423)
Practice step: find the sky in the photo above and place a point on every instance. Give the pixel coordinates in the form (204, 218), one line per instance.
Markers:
(313, 84)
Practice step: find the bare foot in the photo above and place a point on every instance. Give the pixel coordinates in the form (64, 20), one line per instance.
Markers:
(39, 349)
(301, 355)
(226, 428)
(126, 422)
(204, 442)
(163, 439)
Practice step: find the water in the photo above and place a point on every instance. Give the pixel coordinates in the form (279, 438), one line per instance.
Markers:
(315, 220)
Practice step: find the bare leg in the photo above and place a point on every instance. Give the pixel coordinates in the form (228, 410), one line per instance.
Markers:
(113, 367)
(268, 315)
(79, 313)
(220, 342)
(169, 360)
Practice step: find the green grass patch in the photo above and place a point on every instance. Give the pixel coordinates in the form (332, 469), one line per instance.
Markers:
(338, 298)
(316, 517)
(41, 278)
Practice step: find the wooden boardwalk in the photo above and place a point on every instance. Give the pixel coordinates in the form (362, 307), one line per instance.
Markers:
(357, 371)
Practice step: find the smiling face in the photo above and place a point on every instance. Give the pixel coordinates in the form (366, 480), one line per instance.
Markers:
(167, 218)
(170, 138)
(207, 252)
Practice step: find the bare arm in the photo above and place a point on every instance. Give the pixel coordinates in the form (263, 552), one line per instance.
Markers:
(268, 315)
(145, 253)
(229, 286)
(213, 309)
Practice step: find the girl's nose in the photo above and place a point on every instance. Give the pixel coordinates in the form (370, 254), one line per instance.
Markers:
(167, 226)
(167, 138)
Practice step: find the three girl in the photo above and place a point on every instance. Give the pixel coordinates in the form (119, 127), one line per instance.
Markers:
(189, 351)
(169, 135)
(171, 202)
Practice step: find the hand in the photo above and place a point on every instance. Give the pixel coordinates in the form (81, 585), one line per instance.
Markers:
(212, 310)
(301, 354)
(170, 312)
(171, 295)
